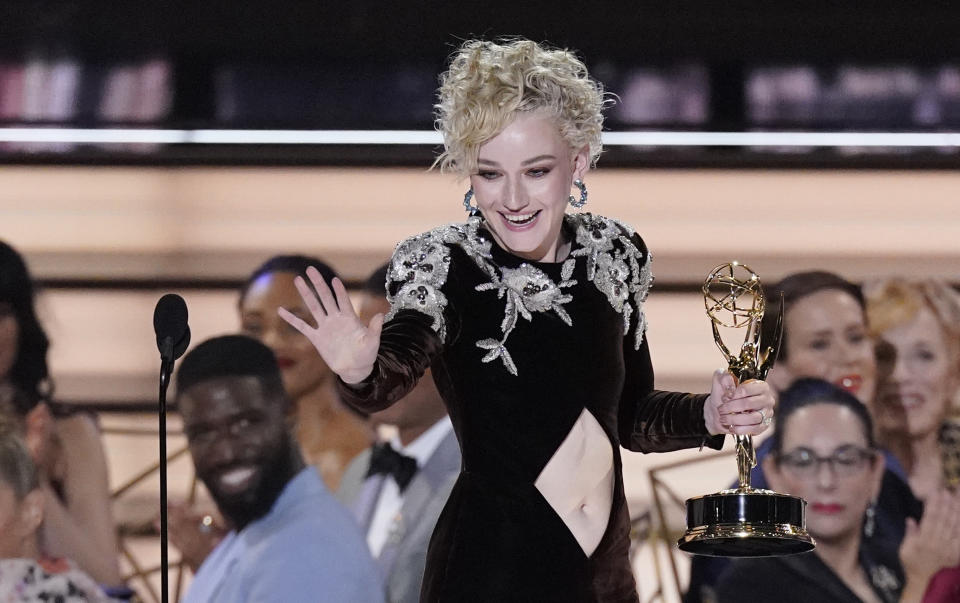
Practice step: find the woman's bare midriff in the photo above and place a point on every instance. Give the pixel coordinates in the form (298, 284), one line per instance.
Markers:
(577, 481)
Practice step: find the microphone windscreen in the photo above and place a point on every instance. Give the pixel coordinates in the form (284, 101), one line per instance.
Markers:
(182, 344)
(170, 321)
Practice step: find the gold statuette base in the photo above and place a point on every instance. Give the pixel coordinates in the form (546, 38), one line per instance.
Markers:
(746, 522)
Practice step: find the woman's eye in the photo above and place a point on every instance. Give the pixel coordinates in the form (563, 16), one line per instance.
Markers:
(848, 460)
(488, 175)
(799, 458)
(539, 172)
(801, 462)
(857, 337)
(819, 344)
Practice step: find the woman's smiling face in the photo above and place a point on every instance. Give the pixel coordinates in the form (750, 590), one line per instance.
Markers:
(828, 339)
(919, 375)
(523, 183)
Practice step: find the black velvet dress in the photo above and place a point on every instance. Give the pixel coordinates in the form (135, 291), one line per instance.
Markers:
(518, 350)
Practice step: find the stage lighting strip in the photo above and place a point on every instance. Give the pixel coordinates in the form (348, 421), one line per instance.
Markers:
(425, 137)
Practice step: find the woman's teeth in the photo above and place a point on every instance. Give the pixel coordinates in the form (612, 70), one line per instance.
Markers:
(521, 218)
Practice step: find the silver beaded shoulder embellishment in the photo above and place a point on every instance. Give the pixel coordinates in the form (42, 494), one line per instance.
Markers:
(420, 264)
(616, 266)
(614, 263)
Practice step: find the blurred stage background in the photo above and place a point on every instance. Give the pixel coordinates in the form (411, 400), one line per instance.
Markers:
(109, 226)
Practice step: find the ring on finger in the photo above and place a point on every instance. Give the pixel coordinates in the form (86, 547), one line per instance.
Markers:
(764, 419)
(206, 524)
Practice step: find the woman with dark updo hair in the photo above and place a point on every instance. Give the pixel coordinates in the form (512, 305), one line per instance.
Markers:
(329, 432)
(825, 336)
(824, 451)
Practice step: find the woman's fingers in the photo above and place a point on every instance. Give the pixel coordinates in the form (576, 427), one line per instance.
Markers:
(749, 404)
(343, 298)
(375, 326)
(749, 408)
(746, 419)
(310, 299)
(323, 291)
(295, 321)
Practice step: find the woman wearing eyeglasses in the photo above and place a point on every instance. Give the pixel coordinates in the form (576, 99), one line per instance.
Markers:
(824, 451)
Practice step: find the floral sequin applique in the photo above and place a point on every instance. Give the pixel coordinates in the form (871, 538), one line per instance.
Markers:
(618, 271)
(616, 266)
(527, 289)
(420, 265)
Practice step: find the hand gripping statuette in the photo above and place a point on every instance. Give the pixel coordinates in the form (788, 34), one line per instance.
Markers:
(744, 521)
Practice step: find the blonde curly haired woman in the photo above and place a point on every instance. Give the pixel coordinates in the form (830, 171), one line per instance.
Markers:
(532, 321)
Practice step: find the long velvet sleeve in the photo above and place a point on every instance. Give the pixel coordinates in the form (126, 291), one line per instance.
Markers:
(650, 420)
(658, 421)
(407, 348)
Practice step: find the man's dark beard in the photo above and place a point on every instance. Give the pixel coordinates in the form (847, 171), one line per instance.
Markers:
(275, 473)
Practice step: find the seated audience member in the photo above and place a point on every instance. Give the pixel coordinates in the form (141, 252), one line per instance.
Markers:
(917, 327)
(824, 451)
(26, 574)
(291, 540)
(824, 333)
(66, 446)
(824, 336)
(398, 488)
(330, 433)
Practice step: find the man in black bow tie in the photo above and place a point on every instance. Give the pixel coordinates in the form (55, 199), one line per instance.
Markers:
(396, 489)
(387, 461)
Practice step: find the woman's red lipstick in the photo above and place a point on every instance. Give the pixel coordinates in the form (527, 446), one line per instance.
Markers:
(827, 509)
(851, 383)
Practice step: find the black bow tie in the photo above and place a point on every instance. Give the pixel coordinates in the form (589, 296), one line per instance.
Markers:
(384, 459)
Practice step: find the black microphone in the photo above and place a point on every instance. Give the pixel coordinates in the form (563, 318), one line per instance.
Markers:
(170, 325)
(173, 337)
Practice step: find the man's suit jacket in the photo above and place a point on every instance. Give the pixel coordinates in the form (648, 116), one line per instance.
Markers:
(404, 556)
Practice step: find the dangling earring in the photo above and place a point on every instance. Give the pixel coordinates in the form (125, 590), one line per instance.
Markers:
(578, 203)
(870, 520)
(45, 389)
(471, 209)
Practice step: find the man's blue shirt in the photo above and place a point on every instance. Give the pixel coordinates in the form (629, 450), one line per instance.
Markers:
(307, 548)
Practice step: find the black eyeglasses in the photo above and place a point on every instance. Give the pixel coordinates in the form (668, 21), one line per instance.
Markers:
(845, 461)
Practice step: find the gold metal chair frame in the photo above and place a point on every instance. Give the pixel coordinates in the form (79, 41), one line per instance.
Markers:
(665, 497)
(141, 575)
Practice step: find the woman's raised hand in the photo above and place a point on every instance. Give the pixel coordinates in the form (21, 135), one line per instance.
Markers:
(347, 345)
(931, 544)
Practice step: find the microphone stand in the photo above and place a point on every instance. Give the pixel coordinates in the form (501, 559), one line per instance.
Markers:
(166, 367)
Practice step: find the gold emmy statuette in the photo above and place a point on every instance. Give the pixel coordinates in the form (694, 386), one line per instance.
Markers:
(744, 521)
